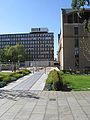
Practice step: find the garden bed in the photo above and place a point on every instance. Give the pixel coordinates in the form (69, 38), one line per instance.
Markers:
(57, 80)
(6, 77)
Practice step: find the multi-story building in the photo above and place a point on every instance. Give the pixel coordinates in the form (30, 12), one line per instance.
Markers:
(74, 42)
(38, 44)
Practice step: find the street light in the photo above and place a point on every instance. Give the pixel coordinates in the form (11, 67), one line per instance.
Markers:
(9, 61)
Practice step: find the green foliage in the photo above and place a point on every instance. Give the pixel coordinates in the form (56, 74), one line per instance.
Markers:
(77, 4)
(24, 71)
(54, 81)
(1, 78)
(6, 78)
(13, 79)
(16, 75)
(77, 82)
(79, 7)
(57, 80)
(13, 53)
(2, 84)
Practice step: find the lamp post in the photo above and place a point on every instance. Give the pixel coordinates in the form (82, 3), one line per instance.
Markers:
(9, 61)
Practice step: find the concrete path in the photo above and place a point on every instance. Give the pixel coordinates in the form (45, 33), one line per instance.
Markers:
(25, 100)
(39, 85)
(32, 81)
(43, 105)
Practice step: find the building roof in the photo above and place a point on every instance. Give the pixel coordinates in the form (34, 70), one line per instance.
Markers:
(70, 10)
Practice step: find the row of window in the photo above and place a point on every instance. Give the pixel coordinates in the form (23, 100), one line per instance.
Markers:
(41, 56)
(73, 18)
(27, 42)
(26, 35)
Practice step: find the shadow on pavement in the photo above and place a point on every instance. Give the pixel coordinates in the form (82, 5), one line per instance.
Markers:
(17, 94)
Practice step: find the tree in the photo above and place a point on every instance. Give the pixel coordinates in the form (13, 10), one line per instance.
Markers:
(16, 53)
(77, 4)
(13, 54)
(79, 7)
(4, 54)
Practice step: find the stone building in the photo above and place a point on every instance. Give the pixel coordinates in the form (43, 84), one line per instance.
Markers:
(74, 41)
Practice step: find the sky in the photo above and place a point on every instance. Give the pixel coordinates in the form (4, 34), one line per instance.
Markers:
(19, 16)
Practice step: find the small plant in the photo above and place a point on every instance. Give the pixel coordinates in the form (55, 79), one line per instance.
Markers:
(2, 84)
(54, 81)
(16, 75)
(7, 79)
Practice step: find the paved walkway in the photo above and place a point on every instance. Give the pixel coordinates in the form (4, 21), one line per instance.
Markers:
(27, 82)
(39, 85)
(43, 105)
(25, 100)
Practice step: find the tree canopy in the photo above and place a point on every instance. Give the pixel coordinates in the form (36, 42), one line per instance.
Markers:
(79, 6)
(13, 54)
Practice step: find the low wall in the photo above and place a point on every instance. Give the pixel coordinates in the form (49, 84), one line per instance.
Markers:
(39, 63)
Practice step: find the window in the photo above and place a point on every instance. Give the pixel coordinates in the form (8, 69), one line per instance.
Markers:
(70, 18)
(76, 30)
(76, 62)
(75, 18)
(76, 43)
(76, 57)
(76, 51)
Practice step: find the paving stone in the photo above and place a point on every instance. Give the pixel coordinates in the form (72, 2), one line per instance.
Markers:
(39, 109)
(51, 117)
(44, 105)
(66, 117)
(36, 117)
(64, 110)
(52, 111)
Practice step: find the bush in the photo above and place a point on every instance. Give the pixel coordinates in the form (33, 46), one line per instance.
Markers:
(2, 84)
(64, 71)
(1, 78)
(13, 79)
(58, 83)
(54, 81)
(7, 79)
(16, 75)
(24, 71)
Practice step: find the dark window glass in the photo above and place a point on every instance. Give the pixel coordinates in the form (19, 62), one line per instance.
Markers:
(76, 43)
(77, 62)
(75, 18)
(76, 30)
(70, 19)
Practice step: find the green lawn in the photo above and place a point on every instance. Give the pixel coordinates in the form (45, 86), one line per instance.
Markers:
(78, 82)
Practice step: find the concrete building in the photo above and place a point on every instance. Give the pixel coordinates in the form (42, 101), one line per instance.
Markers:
(38, 44)
(74, 41)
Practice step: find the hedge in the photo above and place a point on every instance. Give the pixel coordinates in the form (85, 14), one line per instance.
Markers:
(54, 81)
(5, 79)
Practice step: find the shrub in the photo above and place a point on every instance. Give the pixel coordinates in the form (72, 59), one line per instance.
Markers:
(16, 75)
(24, 71)
(64, 71)
(58, 83)
(7, 79)
(2, 84)
(13, 79)
(54, 81)
(60, 72)
(1, 78)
